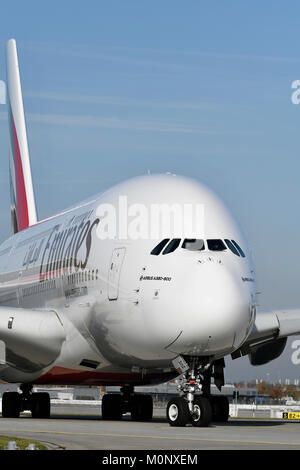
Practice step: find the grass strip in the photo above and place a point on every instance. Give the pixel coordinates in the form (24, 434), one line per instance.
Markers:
(22, 444)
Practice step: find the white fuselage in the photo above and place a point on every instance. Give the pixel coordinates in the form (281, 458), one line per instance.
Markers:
(126, 312)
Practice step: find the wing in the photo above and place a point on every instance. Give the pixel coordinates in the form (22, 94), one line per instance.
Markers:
(269, 334)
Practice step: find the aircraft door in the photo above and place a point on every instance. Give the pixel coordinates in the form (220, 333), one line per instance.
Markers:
(115, 272)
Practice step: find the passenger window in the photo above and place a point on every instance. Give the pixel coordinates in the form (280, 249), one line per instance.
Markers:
(232, 247)
(172, 246)
(216, 245)
(193, 244)
(160, 246)
(239, 249)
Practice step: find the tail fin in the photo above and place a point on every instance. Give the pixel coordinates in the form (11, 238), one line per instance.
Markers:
(23, 210)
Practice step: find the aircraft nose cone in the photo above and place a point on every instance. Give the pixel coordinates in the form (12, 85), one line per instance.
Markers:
(216, 311)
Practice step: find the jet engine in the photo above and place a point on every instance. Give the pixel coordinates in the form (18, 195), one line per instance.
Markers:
(264, 353)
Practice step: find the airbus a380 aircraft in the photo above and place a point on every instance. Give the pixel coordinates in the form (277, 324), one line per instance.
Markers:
(80, 308)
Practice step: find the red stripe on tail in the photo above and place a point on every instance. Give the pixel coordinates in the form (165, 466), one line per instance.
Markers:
(21, 199)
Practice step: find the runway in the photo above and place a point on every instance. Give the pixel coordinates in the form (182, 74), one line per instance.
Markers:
(85, 430)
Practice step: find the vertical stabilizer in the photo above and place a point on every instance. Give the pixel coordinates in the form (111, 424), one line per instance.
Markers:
(23, 210)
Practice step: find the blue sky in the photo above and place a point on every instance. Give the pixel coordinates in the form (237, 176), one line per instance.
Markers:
(114, 89)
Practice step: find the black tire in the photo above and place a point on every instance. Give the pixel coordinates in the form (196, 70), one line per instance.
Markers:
(11, 405)
(178, 413)
(141, 408)
(40, 405)
(202, 415)
(112, 407)
(220, 409)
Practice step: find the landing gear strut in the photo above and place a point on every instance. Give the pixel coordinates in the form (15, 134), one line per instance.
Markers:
(203, 408)
(38, 403)
(115, 405)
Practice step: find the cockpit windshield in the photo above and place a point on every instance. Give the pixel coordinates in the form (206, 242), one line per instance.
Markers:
(232, 247)
(171, 246)
(167, 246)
(239, 249)
(156, 250)
(193, 244)
(216, 245)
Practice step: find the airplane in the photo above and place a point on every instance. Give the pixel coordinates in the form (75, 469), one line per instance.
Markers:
(81, 308)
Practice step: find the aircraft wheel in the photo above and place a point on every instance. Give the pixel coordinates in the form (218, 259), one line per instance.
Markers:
(40, 405)
(141, 408)
(202, 414)
(112, 406)
(11, 405)
(220, 409)
(178, 413)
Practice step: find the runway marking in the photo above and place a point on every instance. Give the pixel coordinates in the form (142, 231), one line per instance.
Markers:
(155, 437)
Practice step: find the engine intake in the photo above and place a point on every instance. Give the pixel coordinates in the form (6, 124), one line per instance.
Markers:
(265, 353)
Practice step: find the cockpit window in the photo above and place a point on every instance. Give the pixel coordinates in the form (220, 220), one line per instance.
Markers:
(160, 246)
(193, 244)
(216, 245)
(171, 246)
(232, 247)
(197, 244)
(239, 249)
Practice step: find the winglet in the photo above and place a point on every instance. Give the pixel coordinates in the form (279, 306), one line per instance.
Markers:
(23, 209)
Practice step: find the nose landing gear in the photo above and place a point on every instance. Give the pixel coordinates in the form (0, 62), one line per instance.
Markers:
(199, 410)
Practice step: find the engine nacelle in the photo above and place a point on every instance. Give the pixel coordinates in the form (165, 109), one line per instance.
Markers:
(267, 352)
(30, 340)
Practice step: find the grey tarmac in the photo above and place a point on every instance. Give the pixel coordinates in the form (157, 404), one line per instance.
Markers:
(83, 429)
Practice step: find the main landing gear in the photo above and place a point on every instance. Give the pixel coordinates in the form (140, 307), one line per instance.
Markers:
(115, 405)
(13, 403)
(199, 410)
